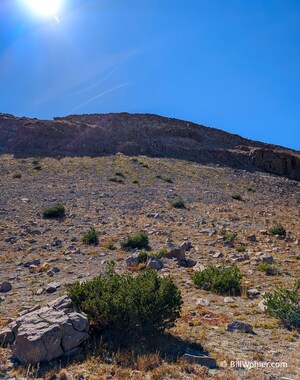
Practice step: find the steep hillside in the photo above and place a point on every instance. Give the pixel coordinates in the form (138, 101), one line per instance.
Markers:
(136, 134)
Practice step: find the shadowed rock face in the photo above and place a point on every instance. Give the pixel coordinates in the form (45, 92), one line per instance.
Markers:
(142, 134)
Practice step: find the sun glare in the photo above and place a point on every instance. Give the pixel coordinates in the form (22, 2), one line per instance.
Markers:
(46, 8)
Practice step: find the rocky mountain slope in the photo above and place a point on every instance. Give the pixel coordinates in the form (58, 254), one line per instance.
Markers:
(136, 134)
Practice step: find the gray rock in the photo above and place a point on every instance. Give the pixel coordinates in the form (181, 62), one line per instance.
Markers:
(262, 306)
(240, 326)
(176, 253)
(227, 244)
(252, 293)
(267, 259)
(186, 245)
(229, 300)
(5, 287)
(47, 333)
(32, 262)
(202, 360)
(218, 255)
(133, 260)
(7, 337)
(52, 287)
(154, 263)
(203, 302)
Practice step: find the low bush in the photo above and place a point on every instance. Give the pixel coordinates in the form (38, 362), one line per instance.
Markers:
(278, 229)
(56, 211)
(240, 248)
(142, 257)
(91, 237)
(269, 269)
(111, 246)
(178, 203)
(228, 236)
(236, 197)
(223, 280)
(132, 305)
(140, 241)
(160, 253)
(284, 304)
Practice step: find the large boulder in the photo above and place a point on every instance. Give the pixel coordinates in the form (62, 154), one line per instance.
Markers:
(47, 333)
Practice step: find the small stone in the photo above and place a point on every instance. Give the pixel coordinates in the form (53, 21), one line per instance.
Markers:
(252, 293)
(203, 302)
(186, 245)
(133, 260)
(267, 259)
(5, 287)
(240, 326)
(218, 255)
(202, 360)
(154, 263)
(262, 306)
(52, 287)
(229, 300)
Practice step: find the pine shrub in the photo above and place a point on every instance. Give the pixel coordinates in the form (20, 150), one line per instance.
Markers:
(130, 305)
(222, 280)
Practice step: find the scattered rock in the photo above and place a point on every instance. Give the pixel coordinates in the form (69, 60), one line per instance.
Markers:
(229, 300)
(202, 360)
(267, 259)
(133, 260)
(185, 246)
(252, 238)
(176, 253)
(218, 255)
(5, 287)
(240, 326)
(52, 287)
(262, 306)
(47, 333)
(252, 293)
(154, 263)
(203, 302)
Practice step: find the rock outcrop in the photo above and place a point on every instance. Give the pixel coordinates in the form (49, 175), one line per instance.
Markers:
(142, 134)
(47, 333)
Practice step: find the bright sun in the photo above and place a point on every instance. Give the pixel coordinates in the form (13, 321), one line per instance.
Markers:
(45, 7)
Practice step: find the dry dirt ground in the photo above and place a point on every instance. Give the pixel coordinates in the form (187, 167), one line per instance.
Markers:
(141, 201)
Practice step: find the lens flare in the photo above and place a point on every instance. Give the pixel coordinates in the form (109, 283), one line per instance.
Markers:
(46, 8)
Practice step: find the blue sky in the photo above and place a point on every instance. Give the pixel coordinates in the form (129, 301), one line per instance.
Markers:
(229, 64)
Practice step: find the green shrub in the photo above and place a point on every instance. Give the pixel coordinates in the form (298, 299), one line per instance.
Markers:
(17, 175)
(37, 163)
(131, 305)
(160, 253)
(240, 248)
(140, 241)
(278, 229)
(142, 257)
(236, 197)
(111, 246)
(269, 269)
(178, 203)
(56, 211)
(284, 304)
(228, 236)
(221, 280)
(91, 236)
